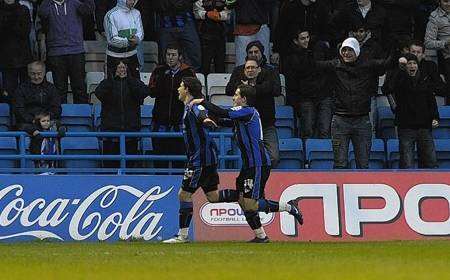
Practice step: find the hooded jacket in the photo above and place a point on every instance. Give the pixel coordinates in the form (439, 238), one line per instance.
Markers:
(15, 27)
(168, 109)
(120, 24)
(121, 103)
(63, 24)
(353, 85)
(30, 99)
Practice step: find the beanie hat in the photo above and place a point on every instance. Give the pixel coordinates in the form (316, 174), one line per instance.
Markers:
(410, 56)
(257, 44)
(351, 43)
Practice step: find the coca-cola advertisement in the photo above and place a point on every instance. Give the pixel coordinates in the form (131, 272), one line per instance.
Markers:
(88, 208)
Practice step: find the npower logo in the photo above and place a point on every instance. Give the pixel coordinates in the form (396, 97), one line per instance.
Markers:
(228, 214)
(355, 216)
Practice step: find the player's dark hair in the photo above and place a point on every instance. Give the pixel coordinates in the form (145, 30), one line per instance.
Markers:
(173, 46)
(194, 86)
(249, 93)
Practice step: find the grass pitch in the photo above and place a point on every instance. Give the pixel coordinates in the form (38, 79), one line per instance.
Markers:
(140, 260)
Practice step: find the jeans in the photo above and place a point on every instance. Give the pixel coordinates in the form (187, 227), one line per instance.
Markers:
(315, 118)
(359, 131)
(408, 138)
(270, 139)
(69, 66)
(241, 42)
(187, 38)
(131, 62)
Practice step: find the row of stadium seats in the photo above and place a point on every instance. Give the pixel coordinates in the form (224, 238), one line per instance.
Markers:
(294, 153)
(85, 118)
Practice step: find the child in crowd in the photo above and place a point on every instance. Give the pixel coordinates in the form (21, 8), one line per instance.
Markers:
(40, 145)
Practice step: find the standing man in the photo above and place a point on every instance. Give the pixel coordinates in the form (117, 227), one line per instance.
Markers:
(168, 110)
(353, 90)
(265, 84)
(416, 113)
(201, 150)
(124, 32)
(62, 22)
(255, 169)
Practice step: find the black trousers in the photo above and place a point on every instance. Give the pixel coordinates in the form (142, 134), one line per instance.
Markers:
(69, 66)
(213, 50)
(111, 146)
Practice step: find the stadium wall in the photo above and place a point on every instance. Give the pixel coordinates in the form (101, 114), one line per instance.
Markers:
(337, 206)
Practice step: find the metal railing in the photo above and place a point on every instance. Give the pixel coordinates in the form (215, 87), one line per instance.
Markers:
(23, 155)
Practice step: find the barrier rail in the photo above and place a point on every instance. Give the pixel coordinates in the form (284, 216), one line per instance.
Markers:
(22, 156)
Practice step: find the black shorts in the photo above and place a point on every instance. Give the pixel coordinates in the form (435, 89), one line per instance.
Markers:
(205, 177)
(252, 181)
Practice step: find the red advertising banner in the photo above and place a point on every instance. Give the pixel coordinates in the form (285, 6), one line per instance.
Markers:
(338, 206)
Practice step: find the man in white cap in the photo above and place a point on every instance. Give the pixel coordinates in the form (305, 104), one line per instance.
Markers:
(353, 90)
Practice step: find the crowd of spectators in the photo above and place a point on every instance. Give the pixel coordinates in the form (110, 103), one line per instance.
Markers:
(330, 51)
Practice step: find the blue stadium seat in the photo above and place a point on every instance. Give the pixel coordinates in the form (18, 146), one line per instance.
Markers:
(146, 118)
(284, 121)
(4, 117)
(319, 153)
(441, 132)
(377, 157)
(291, 154)
(77, 117)
(386, 123)
(80, 146)
(443, 152)
(97, 113)
(444, 114)
(8, 146)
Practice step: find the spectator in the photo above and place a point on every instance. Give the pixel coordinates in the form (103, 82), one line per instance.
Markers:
(253, 74)
(15, 49)
(437, 36)
(177, 26)
(43, 145)
(252, 18)
(121, 97)
(368, 12)
(427, 69)
(416, 113)
(62, 22)
(309, 91)
(212, 29)
(353, 90)
(168, 109)
(400, 14)
(30, 5)
(124, 32)
(312, 15)
(36, 95)
(421, 16)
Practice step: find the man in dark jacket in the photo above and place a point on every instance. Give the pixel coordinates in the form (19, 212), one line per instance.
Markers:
(309, 91)
(353, 90)
(168, 109)
(121, 97)
(177, 26)
(263, 80)
(368, 12)
(35, 96)
(416, 113)
(15, 28)
(62, 22)
(309, 15)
